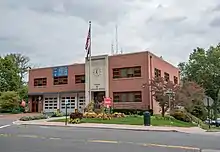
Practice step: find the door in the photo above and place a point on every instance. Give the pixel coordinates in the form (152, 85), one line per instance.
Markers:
(34, 104)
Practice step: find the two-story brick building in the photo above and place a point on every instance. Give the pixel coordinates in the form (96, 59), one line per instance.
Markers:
(123, 77)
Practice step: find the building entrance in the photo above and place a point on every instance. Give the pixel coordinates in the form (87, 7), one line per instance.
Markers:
(98, 98)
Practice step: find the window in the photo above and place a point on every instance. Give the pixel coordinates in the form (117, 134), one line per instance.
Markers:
(166, 76)
(40, 82)
(60, 80)
(157, 73)
(79, 78)
(127, 96)
(175, 80)
(127, 72)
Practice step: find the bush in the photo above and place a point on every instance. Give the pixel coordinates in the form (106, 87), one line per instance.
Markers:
(75, 117)
(181, 115)
(167, 117)
(118, 115)
(9, 100)
(89, 115)
(132, 111)
(28, 118)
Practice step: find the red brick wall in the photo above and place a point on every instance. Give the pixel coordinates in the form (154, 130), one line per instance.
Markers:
(129, 84)
(73, 70)
(164, 66)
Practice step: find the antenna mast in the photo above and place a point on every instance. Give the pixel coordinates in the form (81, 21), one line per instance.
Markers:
(112, 48)
(116, 38)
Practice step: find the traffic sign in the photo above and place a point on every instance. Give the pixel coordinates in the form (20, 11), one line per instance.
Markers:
(107, 102)
(208, 101)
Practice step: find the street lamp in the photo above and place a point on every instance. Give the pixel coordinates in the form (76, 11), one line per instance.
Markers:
(169, 93)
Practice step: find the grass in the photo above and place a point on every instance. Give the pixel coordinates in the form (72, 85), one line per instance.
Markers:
(134, 120)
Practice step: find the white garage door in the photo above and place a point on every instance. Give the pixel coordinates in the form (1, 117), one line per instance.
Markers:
(70, 107)
(50, 103)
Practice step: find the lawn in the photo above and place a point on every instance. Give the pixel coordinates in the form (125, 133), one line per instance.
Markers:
(134, 120)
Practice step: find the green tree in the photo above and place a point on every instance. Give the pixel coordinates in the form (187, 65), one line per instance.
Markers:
(9, 77)
(9, 100)
(203, 67)
(23, 64)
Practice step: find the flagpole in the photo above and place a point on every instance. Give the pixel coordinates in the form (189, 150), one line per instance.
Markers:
(90, 52)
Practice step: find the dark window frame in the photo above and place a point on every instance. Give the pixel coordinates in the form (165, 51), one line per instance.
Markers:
(137, 96)
(40, 82)
(157, 73)
(175, 79)
(61, 80)
(80, 79)
(166, 76)
(135, 72)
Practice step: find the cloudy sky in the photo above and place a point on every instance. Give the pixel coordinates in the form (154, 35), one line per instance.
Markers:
(53, 32)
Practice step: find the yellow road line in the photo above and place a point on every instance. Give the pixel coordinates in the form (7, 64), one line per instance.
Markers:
(103, 141)
(172, 146)
(29, 136)
(55, 138)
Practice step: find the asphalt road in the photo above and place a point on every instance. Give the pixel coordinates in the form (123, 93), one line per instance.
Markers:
(55, 139)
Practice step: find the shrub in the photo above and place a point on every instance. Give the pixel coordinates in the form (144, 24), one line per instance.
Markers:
(9, 100)
(89, 115)
(28, 118)
(118, 115)
(104, 116)
(75, 117)
(181, 115)
(166, 117)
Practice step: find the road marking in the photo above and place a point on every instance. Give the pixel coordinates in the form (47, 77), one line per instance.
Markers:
(29, 136)
(55, 138)
(172, 146)
(109, 141)
(103, 141)
(4, 126)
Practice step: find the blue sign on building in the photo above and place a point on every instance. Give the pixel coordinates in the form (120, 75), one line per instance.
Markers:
(60, 71)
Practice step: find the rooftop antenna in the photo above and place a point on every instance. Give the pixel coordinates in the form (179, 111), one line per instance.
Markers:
(121, 51)
(116, 38)
(112, 48)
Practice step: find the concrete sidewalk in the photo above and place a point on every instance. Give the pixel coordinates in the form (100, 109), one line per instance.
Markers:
(45, 122)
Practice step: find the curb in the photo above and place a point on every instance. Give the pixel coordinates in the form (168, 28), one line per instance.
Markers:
(98, 127)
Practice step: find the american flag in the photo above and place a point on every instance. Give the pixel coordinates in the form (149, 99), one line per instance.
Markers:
(88, 42)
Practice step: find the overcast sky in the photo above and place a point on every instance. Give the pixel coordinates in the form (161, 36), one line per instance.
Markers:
(53, 32)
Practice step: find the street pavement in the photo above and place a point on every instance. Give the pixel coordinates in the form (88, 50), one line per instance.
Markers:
(28, 138)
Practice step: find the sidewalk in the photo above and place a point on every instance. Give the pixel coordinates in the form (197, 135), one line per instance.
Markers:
(45, 122)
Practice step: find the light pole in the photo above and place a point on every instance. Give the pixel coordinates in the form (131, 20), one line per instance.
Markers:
(169, 93)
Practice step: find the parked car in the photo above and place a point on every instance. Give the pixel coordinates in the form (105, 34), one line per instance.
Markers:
(213, 122)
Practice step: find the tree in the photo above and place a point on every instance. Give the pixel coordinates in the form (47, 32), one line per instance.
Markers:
(159, 89)
(203, 67)
(189, 94)
(9, 100)
(22, 62)
(9, 77)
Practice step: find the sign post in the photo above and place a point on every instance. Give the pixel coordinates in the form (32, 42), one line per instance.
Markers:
(107, 102)
(66, 103)
(208, 101)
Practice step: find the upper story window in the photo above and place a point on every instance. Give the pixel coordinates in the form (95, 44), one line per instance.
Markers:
(79, 78)
(40, 82)
(60, 75)
(127, 96)
(166, 76)
(60, 80)
(157, 73)
(127, 72)
(175, 80)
